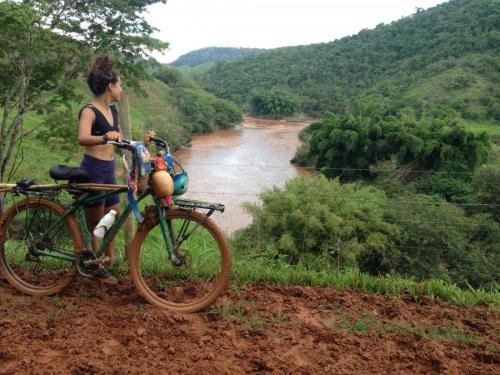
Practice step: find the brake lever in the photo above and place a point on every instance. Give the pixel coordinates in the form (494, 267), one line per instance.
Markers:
(123, 144)
(161, 143)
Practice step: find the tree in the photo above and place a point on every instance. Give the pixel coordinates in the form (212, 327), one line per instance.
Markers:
(355, 144)
(275, 102)
(46, 45)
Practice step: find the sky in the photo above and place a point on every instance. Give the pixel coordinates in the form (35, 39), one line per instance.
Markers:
(189, 25)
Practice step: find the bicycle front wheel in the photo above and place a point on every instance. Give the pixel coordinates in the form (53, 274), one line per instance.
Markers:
(206, 262)
(37, 246)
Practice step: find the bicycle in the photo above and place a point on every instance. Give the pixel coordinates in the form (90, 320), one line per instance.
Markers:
(179, 258)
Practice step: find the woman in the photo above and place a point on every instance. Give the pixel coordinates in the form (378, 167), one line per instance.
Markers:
(98, 123)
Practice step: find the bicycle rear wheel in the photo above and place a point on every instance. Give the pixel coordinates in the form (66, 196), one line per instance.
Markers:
(33, 225)
(193, 285)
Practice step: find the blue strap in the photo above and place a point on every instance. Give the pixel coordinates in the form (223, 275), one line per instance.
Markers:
(170, 163)
(133, 203)
(130, 193)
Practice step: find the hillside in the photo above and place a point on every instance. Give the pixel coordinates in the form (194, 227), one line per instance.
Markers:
(211, 55)
(445, 56)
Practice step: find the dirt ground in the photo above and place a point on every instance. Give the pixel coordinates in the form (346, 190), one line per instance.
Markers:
(266, 329)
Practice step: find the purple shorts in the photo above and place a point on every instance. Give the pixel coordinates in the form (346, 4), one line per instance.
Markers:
(101, 172)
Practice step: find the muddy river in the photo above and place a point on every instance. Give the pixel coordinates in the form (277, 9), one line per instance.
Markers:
(233, 166)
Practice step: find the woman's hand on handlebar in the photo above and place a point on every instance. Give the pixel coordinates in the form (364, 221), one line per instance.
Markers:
(112, 136)
(126, 144)
(147, 137)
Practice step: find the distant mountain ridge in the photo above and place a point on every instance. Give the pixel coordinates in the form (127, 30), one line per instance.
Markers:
(213, 54)
(447, 56)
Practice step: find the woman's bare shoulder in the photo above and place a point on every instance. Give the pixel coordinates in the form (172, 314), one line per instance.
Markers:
(87, 113)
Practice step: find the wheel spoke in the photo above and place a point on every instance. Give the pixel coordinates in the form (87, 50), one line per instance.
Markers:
(36, 269)
(33, 225)
(201, 277)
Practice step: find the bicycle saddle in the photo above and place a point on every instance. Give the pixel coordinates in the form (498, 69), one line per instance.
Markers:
(64, 172)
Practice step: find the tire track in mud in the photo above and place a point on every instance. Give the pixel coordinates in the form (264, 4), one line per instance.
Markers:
(256, 328)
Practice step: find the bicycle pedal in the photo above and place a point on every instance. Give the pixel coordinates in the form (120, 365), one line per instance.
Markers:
(84, 269)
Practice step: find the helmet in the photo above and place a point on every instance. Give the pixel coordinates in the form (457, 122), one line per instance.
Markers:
(180, 183)
(163, 185)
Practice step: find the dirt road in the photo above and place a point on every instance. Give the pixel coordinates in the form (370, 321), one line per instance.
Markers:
(253, 329)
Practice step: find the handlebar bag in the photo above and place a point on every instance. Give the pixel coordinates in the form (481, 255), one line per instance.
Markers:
(142, 167)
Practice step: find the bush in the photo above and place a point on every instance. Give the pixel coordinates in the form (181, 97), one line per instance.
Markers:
(438, 241)
(205, 113)
(451, 188)
(276, 103)
(323, 225)
(59, 128)
(486, 189)
(312, 218)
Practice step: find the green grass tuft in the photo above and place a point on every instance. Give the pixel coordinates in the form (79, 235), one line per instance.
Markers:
(254, 271)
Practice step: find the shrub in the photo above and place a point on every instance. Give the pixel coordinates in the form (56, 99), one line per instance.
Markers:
(438, 241)
(276, 103)
(313, 218)
(324, 225)
(486, 189)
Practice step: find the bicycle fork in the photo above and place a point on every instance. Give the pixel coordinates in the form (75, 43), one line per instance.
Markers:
(168, 233)
(172, 241)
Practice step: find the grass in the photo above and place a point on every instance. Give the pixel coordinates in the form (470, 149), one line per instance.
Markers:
(254, 271)
(367, 325)
(227, 311)
(246, 270)
(492, 348)
(252, 321)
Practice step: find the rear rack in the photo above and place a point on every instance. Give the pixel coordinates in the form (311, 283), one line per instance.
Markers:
(191, 204)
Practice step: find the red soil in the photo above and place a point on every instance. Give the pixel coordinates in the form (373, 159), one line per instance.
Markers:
(93, 329)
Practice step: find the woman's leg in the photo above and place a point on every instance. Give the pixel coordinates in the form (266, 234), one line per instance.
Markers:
(109, 249)
(93, 215)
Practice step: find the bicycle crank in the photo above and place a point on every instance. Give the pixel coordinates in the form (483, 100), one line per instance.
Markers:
(87, 264)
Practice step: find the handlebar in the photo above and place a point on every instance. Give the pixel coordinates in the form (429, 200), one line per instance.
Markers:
(123, 144)
(160, 142)
(129, 145)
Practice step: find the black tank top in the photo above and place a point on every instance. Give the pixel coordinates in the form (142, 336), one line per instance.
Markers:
(101, 126)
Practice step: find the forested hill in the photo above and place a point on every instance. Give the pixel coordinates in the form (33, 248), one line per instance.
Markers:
(447, 55)
(212, 55)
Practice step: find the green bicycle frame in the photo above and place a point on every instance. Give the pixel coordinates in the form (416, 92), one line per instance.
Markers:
(111, 232)
(77, 210)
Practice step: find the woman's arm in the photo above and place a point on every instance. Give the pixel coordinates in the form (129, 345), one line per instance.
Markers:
(87, 117)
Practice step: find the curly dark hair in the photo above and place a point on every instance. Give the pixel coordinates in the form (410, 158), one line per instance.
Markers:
(101, 75)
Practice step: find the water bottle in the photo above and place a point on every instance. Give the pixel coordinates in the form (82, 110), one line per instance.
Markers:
(104, 224)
